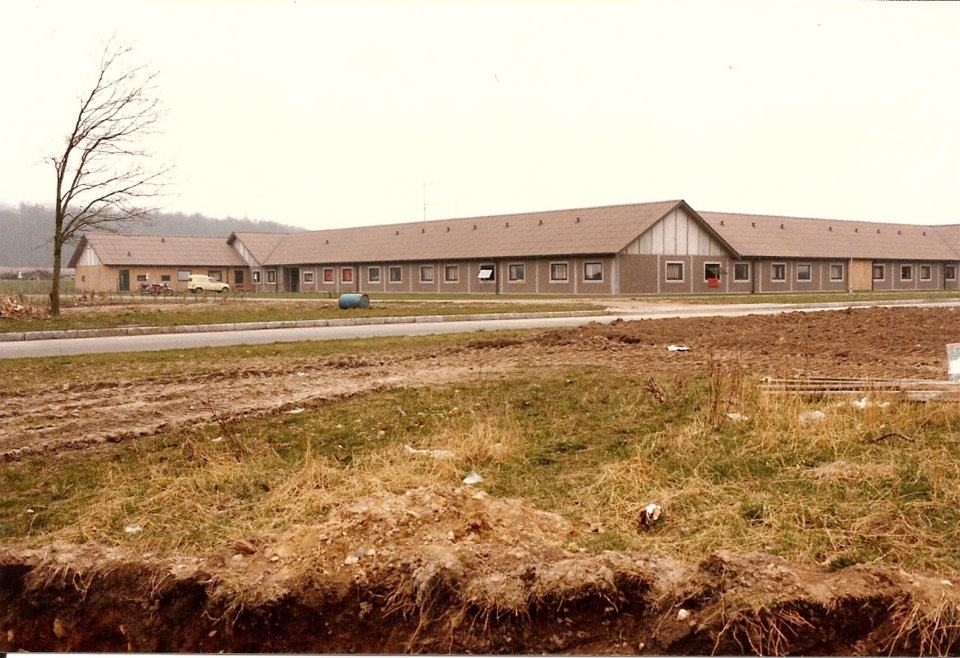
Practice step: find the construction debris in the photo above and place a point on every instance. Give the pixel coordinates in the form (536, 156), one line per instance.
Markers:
(436, 454)
(473, 478)
(911, 389)
(677, 348)
(650, 515)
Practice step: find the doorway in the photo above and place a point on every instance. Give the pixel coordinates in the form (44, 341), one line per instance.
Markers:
(124, 285)
(292, 276)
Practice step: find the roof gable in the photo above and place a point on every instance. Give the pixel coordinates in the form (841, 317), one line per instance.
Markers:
(173, 250)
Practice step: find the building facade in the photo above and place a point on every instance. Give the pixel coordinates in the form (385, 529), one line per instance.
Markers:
(664, 248)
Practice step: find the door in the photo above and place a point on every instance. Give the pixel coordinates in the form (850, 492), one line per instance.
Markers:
(124, 285)
(238, 278)
(294, 279)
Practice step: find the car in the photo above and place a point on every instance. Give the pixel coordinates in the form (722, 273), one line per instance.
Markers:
(200, 283)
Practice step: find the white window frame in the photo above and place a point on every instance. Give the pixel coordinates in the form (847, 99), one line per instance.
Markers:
(774, 279)
(843, 272)
(349, 268)
(584, 271)
(929, 276)
(146, 277)
(749, 272)
(456, 271)
(271, 276)
(523, 272)
(566, 266)
(954, 268)
(809, 267)
(910, 278)
(394, 268)
(683, 271)
(255, 275)
(433, 275)
(487, 266)
(873, 271)
(332, 281)
(184, 275)
(708, 263)
(218, 278)
(307, 273)
(371, 268)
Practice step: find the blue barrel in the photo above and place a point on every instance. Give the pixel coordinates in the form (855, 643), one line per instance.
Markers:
(354, 300)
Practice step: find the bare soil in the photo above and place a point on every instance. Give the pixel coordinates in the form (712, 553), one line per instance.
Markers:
(906, 342)
(455, 570)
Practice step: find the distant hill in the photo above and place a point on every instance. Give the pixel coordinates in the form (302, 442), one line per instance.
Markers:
(26, 229)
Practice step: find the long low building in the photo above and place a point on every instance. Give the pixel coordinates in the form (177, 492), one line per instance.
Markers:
(646, 248)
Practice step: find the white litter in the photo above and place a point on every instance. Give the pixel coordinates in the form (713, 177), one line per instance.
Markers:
(811, 416)
(737, 416)
(298, 410)
(683, 614)
(650, 514)
(436, 454)
(133, 530)
(217, 440)
(946, 583)
(866, 402)
(351, 559)
(677, 348)
(473, 478)
(301, 374)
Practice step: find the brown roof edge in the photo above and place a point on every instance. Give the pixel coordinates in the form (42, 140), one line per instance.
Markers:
(76, 252)
(705, 224)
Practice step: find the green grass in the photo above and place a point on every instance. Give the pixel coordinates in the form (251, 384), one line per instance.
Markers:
(591, 446)
(231, 311)
(33, 287)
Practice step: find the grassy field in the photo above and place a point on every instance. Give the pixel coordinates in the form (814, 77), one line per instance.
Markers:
(33, 287)
(230, 311)
(592, 447)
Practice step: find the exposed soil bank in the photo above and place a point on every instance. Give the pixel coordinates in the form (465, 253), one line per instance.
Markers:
(439, 570)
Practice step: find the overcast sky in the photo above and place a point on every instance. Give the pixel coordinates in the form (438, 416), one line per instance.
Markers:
(327, 114)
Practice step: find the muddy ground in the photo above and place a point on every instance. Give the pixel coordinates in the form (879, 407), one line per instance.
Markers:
(455, 570)
(907, 342)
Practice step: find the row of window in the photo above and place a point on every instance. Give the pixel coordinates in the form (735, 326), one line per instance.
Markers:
(906, 272)
(711, 271)
(516, 273)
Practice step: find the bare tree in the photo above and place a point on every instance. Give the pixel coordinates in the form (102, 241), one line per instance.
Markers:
(102, 177)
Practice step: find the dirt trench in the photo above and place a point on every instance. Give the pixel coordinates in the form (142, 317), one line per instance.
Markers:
(440, 570)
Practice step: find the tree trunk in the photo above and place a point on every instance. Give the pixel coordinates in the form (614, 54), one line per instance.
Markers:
(55, 284)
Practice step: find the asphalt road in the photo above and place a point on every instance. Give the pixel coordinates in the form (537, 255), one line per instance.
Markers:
(71, 346)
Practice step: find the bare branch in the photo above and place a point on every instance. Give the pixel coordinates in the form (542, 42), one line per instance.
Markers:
(102, 180)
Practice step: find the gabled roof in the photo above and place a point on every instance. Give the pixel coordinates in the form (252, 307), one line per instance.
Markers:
(260, 245)
(799, 237)
(172, 250)
(602, 230)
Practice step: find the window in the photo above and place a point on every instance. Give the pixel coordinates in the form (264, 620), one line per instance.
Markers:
(906, 272)
(373, 275)
(396, 274)
(256, 276)
(307, 277)
(778, 272)
(141, 277)
(271, 276)
(215, 275)
(741, 271)
(926, 273)
(879, 272)
(558, 272)
(238, 277)
(487, 272)
(803, 272)
(674, 271)
(950, 272)
(328, 275)
(164, 278)
(836, 271)
(515, 272)
(426, 274)
(451, 273)
(711, 271)
(593, 271)
(346, 275)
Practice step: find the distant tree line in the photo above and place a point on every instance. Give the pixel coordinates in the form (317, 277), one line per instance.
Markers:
(25, 231)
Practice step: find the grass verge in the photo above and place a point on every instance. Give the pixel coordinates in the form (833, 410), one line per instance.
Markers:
(591, 446)
(231, 311)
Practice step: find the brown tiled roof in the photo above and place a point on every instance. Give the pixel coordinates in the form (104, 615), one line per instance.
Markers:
(260, 245)
(603, 230)
(116, 249)
(799, 237)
